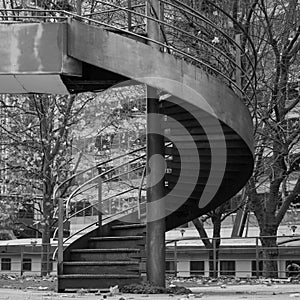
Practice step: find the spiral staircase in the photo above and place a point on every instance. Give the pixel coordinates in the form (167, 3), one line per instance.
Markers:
(203, 86)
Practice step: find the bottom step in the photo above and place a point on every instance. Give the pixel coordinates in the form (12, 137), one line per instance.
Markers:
(95, 281)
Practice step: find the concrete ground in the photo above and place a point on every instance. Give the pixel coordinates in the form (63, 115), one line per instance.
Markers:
(261, 292)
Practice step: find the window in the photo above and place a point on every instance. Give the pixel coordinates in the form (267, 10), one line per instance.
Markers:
(197, 268)
(260, 268)
(5, 264)
(170, 267)
(26, 264)
(227, 267)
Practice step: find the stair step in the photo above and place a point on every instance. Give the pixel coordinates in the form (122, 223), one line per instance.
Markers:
(105, 254)
(95, 281)
(128, 226)
(101, 267)
(101, 263)
(117, 238)
(120, 276)
(137, 241)
(128, 230)
(200, 130)
(200, 138)
(105, 250)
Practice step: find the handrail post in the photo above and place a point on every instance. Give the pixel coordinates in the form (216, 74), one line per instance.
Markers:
(79, 7)
(21, 258)
(257, 257)
(175, 258)
(60, 251)
(129, 15)
(215, 269)
(100, 203)
(153, 10)
(238, 60)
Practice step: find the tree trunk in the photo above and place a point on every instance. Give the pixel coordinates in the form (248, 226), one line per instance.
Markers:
(46, 236)
(213, 267)
(213, 247)
(45, 256)
(270, 254)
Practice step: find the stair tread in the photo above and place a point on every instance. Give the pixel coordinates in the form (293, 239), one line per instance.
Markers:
(98, 276)
(100, 263)
(128, 226)
(113, 238)
(106, 250)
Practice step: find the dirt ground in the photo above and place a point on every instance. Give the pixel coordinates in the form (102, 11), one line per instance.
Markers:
(36, 288)
(276, 292)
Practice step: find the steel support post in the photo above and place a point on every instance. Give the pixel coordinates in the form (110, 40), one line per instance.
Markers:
(155, 266)
(79, 7)
(100, 208)
(60, 251)
(155, 191)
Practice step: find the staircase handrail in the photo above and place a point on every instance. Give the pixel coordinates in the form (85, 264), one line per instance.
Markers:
(196, 14)
(193, 13)
(92, 224)
(68, 217)
(110, 179)
(140, 191)
(112, 10)
(92, 205)
(99, 176)
(94, 167)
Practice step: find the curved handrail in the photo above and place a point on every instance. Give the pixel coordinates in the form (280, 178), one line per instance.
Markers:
(92, 224)
(107, 180)
(196, 38)
(223, 60)
(99, 176)
(89, 206)
(140, 191)
(195, 14)
(75, 193)
(94, 167)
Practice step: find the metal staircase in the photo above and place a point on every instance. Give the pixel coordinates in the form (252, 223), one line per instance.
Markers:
(204, 77)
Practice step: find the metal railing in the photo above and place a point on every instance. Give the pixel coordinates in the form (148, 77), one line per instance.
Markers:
(235, 257)
(125, 186)
(210, 41)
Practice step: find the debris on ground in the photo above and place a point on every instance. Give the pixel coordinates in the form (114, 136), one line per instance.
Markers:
(148, 288)
(28, 282)
(228, 280)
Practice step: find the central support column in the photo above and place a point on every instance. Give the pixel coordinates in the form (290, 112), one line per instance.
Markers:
(155, 191)
(155, 166)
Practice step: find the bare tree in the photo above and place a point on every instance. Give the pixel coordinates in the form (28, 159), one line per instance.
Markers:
(276, 31)
(38, 150)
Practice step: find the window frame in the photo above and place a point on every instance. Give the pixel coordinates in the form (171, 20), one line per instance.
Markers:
(197, 271)
(5, 263)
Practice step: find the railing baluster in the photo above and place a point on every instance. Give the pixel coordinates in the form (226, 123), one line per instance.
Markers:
(129, 15)
(60, 251)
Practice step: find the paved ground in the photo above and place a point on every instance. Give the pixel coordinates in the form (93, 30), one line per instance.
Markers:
(261, 292)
